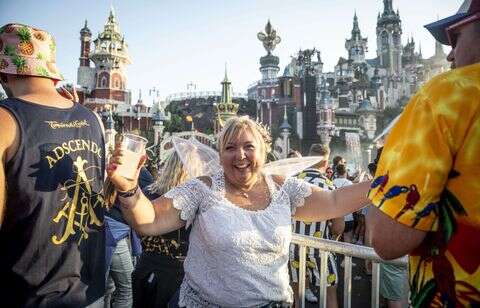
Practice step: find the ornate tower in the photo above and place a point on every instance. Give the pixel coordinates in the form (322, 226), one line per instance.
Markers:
(356, 45)
(326, 115)
(85, 73)
(110, 57)
(225, 109)
(389, 39)
(85, 41)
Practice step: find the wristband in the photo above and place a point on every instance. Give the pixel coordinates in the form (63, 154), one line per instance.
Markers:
(128, 193)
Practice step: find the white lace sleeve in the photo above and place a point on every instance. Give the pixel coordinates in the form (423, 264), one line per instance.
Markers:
(187, 198)
(297, 190)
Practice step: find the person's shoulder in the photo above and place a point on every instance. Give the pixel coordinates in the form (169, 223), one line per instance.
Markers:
(9, 131)
(7, 118)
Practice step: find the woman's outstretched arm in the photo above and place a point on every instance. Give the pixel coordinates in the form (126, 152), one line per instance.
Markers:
(324, 205)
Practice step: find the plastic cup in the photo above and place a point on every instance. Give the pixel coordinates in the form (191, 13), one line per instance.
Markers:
(133, 147)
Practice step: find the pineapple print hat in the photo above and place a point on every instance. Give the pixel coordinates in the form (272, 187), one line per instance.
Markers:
(27, 51)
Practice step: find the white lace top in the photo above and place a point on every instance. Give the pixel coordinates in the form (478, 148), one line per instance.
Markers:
(236, 257)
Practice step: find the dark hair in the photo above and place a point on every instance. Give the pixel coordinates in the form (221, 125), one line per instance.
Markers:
(293, 153)
(341, 169)
(337, 159)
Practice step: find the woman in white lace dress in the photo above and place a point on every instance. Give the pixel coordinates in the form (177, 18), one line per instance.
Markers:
(240, 220)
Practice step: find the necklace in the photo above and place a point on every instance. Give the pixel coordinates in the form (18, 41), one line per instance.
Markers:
(242, 193)
(239, 192)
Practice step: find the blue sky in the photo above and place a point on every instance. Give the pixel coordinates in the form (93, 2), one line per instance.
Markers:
(173, 43)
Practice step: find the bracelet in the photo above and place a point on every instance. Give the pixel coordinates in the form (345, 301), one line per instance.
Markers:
(128, 193)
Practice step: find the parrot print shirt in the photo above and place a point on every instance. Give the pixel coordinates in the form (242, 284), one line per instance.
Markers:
(428, 178)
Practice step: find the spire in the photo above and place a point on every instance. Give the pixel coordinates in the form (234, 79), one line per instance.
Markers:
(111, 17)
(356, 28)
(388, 6)
(420, 50)
(85, 30)
(285, 126)
(226, 94)
(226, 77)
(140, 101)
(225, 109)
(112, 24)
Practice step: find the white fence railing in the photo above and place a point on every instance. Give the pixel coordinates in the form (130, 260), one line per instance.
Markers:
(349, 251)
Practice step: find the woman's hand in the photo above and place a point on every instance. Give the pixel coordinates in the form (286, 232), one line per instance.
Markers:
(117, 159)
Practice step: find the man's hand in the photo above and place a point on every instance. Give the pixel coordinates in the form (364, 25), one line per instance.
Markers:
(70, 93)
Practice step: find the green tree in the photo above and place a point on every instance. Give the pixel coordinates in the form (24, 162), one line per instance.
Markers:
(175, 124)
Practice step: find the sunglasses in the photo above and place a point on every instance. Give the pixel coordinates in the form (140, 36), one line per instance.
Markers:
(451, 30)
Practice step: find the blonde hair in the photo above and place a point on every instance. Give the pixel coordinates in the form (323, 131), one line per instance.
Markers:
(235, 125)
(318, 149)
(173, 175)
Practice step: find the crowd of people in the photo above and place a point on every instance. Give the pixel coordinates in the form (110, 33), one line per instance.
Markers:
(223, 238)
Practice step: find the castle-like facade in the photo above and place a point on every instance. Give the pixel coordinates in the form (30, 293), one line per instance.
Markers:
(348, 107)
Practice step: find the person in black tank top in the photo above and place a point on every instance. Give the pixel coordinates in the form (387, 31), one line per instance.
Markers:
(51, 188)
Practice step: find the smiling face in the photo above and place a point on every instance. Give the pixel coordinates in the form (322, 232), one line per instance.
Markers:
(242, 158)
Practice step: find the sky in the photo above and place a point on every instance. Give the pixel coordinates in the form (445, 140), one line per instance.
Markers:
(176, 42)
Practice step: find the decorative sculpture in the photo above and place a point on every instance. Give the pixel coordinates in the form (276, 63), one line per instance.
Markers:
(270, 39)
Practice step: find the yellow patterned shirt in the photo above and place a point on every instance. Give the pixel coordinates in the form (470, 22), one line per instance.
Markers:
(428, 178)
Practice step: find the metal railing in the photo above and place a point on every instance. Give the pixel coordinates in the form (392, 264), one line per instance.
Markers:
(349, 251)
(200, 94)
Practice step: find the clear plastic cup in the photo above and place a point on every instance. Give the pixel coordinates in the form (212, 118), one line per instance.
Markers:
(133, 147)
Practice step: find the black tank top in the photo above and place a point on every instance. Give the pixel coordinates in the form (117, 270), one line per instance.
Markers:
(52, 241)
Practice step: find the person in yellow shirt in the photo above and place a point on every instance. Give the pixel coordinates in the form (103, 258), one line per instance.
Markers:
(427, 187)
